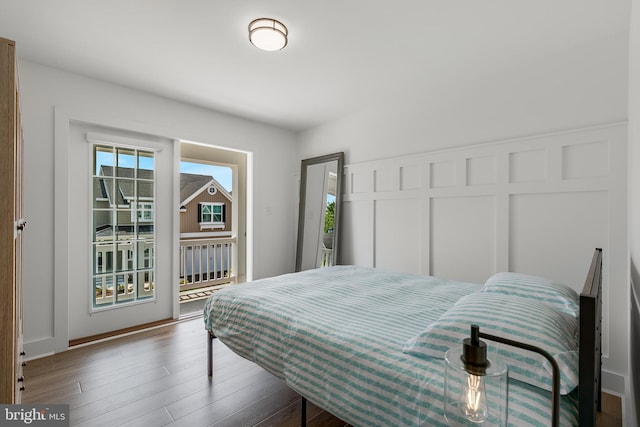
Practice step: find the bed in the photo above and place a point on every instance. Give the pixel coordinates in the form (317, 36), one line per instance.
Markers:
(367, 345)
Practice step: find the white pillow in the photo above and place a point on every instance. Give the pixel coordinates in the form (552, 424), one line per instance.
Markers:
(518, 319)
(557, 295)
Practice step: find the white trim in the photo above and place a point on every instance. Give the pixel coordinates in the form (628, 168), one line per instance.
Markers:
(205, 234)
(203, 144)
(249, 216)
(175, 232)
(483, 144)
(121, 141)
(60, 339)
(211, 225)
(63, 118)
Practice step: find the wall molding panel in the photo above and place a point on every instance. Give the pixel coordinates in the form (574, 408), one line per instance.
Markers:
(537, 205)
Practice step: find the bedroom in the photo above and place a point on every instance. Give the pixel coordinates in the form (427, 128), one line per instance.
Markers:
(574, 85)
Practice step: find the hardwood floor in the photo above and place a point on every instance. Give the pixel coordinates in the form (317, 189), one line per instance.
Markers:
(159, 378)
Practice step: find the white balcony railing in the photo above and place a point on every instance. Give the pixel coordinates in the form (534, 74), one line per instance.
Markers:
(207, 262)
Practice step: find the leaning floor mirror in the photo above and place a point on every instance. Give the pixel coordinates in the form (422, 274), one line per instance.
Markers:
(318, 218)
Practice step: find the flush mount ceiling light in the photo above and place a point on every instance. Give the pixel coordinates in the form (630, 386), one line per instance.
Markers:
(268, 34)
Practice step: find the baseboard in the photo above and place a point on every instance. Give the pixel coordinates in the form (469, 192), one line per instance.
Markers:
(100, 337)
(39, 348)
(613, 383)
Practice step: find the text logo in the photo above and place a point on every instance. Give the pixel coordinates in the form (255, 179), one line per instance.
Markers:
(34, 415)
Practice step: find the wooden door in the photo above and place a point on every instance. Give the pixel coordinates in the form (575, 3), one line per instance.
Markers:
(10, 234)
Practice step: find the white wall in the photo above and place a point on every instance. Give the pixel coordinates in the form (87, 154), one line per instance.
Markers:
(536, 206)
(583, 87)
(577, 88)
(43, 88)
(633, 401)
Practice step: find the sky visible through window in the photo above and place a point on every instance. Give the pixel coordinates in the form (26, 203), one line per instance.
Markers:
(222, 174)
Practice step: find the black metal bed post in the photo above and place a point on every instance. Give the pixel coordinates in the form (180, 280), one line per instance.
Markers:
(210, 337)
(303, 412)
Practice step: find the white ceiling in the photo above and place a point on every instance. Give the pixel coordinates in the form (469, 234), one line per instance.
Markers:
(343, 55)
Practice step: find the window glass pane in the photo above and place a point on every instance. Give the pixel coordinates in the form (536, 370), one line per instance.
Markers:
(103, 160)
(145, 284)
(144, 212)
(124, 225)
(217, 213)
(145, 230)
(145, 255)
(124, 256)
(145, 163)
(102, 225)
(125, 192)
(125, 290)
(103, 290)
(102, 258)
(102, 191)
(145, 191)
(126, 162)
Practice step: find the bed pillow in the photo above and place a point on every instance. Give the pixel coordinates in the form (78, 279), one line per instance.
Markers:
(519, 319)
(557, 295)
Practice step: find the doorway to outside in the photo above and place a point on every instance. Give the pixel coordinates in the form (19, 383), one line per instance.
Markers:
(211, 219)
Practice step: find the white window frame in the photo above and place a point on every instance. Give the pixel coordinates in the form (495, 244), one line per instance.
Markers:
(134, 292)
(211, 224)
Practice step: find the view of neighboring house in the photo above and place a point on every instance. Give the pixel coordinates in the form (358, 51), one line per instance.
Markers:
(205, 207)
(205, 231)
(206, 239)
(122, 196)
(123, 212)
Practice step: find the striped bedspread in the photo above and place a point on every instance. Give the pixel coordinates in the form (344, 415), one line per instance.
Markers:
(335, 335)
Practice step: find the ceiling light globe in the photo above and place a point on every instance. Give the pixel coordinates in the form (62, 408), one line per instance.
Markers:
(268, 34)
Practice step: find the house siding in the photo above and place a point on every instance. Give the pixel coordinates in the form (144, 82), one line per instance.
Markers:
(189, 219)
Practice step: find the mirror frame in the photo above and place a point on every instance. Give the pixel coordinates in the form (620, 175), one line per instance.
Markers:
(303, 194)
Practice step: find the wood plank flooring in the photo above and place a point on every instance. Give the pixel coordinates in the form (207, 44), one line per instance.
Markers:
(159, 378)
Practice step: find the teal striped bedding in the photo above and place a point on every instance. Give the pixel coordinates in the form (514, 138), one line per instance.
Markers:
(336, 336)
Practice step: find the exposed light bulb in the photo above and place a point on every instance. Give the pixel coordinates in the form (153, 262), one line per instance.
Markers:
(473, 399)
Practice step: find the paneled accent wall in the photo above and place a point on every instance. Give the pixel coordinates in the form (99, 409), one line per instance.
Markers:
(537, 205)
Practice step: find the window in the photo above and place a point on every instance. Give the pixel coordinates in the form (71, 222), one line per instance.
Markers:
(123, 227)
(211, 214)
(144, 212)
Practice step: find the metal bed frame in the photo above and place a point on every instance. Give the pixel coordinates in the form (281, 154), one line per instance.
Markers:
(589, 346)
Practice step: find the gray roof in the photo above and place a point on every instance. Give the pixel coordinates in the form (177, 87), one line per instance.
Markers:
(124, 184)
(190, 183)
